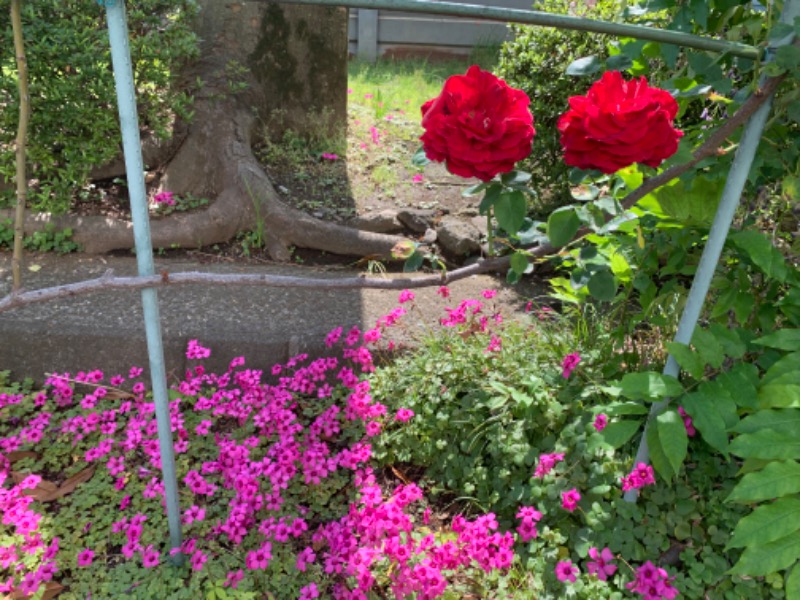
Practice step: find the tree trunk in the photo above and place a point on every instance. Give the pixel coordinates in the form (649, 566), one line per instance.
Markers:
(261, 63)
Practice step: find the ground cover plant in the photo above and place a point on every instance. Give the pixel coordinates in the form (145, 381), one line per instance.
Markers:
(282, 494)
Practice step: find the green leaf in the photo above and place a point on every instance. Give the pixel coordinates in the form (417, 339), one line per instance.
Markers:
(619, 62)
(616, 434)
(602, 285)
(760, 250)
(732, 344)
(515, 178)
(766, 444)
(784, 421)
(740, 386)
(706, 419)
(489, 199)
(420, 159)
(510, 209)
(687, 358)
(767, 523)
(670, 53)
(474, 189)
(724, 403)
(792, 585)
(690, 206)
(413, 262)
(657, 455)
(674, 441)
(562, 225)
(759, 561)
(519, 262)
(709, 348)
(783, 339)
(584, 66)
(776, 480)
(779, 395)
(788, 365)
(623, 408)
(780, 31)
(649, 386)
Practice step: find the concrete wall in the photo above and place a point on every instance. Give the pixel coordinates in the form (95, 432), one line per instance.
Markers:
(375, 33)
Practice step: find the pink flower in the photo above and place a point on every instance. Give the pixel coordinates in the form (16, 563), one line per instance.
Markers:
(196, 351)
(546, 463)
(308, 592)
(85, 557)
(259, 559)
(167, 198)
(198, 559)
(601, 565)
(373, 428)
(192, 514)
(444, 291)
(527, 528)
(566, 571)
(495, 345)
(329, 156)
(569, 363)
(417, 178)
(404, 414)
(641, 476)
(570, 499)
(600, 422)
(489, 294)
(653, 582)
(233, 578)
(406, 296)
(687, 422)
(150, 557)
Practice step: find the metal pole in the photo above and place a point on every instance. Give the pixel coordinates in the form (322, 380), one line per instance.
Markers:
(732, 192)
(534, 17)
(129, 123)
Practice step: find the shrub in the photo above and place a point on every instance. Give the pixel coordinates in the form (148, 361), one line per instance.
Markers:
(74, 125)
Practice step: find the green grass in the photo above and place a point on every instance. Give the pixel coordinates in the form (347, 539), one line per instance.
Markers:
(405, 84)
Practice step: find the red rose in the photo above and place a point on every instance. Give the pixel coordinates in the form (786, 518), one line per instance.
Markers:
(478, 124)
(618, 123)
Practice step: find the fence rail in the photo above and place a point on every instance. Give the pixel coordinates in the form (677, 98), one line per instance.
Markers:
(373, 33)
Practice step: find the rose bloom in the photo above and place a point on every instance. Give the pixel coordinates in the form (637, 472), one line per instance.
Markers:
(618, 123)
(478, 125)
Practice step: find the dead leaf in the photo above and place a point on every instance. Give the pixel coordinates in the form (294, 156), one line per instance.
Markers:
(20, 454)
(400, 476)
(45, 485)
(47, 491)
(70, 484)
(51, 590)
(117, 395)
(34, 268)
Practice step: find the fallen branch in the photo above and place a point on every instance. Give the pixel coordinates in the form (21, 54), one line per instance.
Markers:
(109, 282)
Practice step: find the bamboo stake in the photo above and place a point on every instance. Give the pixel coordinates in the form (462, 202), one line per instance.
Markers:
(22, 135)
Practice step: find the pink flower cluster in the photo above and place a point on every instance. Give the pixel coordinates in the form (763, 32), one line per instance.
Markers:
(250, 476)
(641, 476)
(376, 537)
(529, 516)
(165, 198)
(653, 583)
(546, 463)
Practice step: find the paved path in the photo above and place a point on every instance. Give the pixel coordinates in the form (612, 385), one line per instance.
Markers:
(105, 330)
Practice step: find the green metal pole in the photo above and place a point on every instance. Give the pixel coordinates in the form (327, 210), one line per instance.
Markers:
(534, 17)
(732, 192)
(129, 123)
